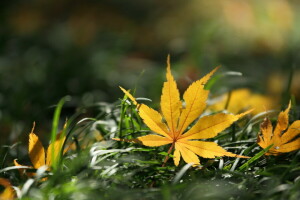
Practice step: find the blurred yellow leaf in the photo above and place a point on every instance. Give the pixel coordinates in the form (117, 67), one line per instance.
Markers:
(58, 143)
(8, 192)
(22, 170)
(243, 99)
(36, 151)
(284, 139)
(170, 126)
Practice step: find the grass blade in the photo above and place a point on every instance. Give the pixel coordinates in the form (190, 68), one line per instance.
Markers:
(55, 122)
(254, 158)
(181, 173)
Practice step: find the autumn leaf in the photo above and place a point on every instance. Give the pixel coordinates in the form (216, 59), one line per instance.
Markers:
(284, 139)
(8, 193)
(242, 99)
(37, 153)
(171, 125)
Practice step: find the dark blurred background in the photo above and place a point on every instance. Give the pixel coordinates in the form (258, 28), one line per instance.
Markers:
(87, 48)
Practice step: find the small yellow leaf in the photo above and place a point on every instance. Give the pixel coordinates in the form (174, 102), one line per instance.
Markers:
(8, 192)
(36, 151)
(283, 121)
(284, 139)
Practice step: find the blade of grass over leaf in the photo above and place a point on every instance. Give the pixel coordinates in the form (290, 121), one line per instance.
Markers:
(57, 145)
(236, 161)
(121, 116)
(216, 78)
(13, 167)
(249, 149)
(246, 165)
(55, 123)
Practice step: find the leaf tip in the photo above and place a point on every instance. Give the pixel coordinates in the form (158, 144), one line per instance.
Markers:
(214, 70)
(204, 79)
(289, 107)
(33, 127)
(217, 67)
(126, 92)
(168, 67)
(245, 113)
(240, 156)
(168, 60)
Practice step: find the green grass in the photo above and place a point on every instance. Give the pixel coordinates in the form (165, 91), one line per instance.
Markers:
(108, 169)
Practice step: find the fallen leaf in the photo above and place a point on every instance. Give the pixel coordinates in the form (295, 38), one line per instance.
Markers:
(37, 153)
(58, 144)
(171, 126)
(8, 193)
(284, 139)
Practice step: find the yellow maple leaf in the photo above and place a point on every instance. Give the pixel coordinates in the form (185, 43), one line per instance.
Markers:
(37, 153)
(284, 139)
(171, 126)
(8, 193)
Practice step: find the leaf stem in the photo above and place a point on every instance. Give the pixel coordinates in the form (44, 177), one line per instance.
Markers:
(122, 113)
(55, 122)
(165, 161)
(167, 156)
